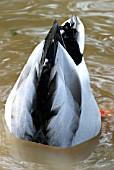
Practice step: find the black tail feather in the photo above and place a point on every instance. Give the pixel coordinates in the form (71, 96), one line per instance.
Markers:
(70, 40)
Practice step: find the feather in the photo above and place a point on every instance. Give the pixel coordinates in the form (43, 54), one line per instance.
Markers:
(41, 112)
(70, 40)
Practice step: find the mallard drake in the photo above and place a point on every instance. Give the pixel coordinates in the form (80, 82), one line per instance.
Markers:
(52, 102)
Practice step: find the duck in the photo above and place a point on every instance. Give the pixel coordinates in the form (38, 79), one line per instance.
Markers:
(52, 101)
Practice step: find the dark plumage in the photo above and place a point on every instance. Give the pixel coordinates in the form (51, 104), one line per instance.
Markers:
(42, 113)
(70, 40)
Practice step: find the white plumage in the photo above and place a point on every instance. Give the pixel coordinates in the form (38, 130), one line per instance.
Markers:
(74, 116)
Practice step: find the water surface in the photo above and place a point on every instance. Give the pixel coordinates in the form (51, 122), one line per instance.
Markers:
(23, 24)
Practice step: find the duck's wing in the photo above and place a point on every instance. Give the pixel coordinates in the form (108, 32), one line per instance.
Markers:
(19, 102)
(66, 101)
(23, 110)
(90, 118)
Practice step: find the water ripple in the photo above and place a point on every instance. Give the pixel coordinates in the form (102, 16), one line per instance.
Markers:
(31, 20)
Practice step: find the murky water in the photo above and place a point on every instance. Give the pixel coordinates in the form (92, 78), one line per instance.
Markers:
(23, 24)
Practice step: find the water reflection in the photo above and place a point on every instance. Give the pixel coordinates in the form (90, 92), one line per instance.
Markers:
(31, 20)
(50, 157)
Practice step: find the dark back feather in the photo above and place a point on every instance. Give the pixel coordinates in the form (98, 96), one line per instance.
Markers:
(42, 103)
